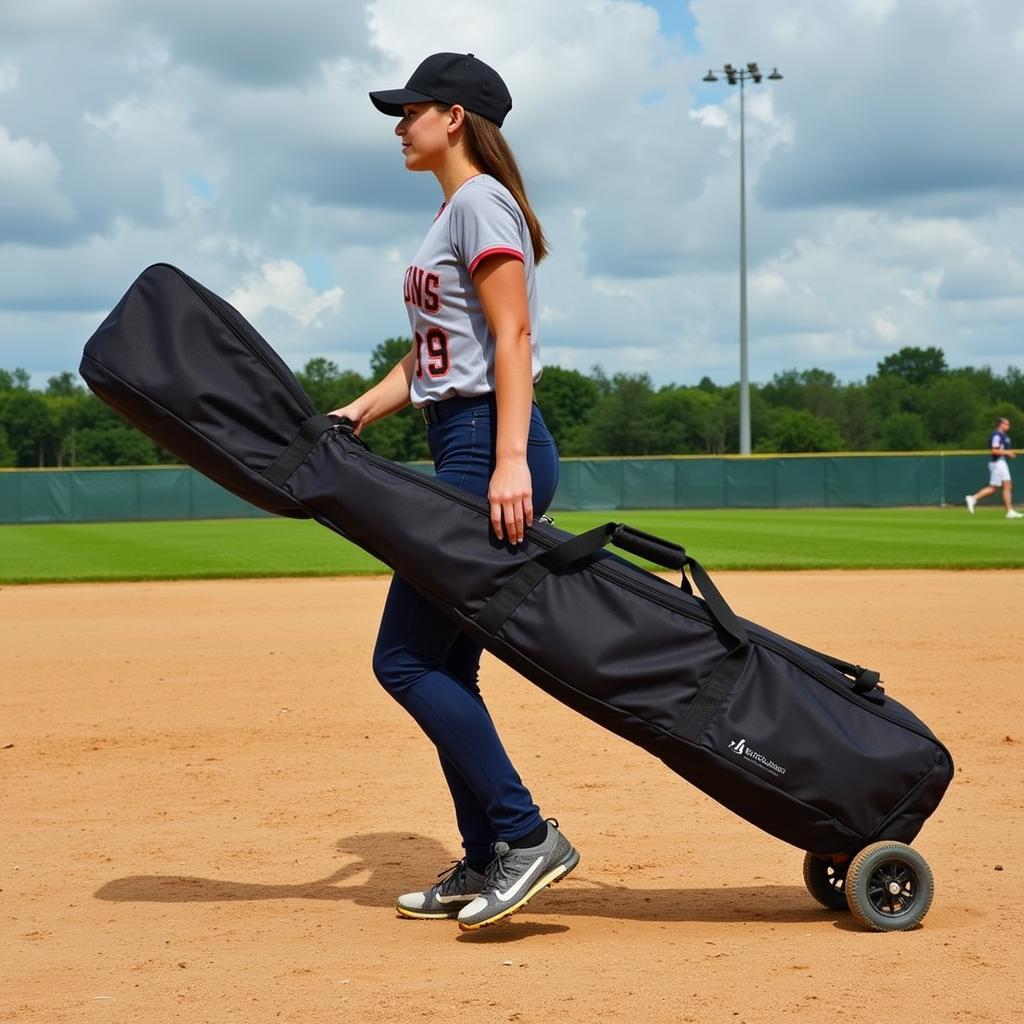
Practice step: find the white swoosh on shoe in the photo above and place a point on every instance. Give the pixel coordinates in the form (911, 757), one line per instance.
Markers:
(515, 889)
(457, 898)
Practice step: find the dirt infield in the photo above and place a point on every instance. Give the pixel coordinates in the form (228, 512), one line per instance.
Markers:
(208, 807)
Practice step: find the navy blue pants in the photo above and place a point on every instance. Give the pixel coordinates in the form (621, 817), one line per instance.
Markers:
(430, 667)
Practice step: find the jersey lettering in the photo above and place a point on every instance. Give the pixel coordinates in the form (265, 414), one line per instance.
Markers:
(431, 298)
(438, 361)
(422, 289)
(411, 285)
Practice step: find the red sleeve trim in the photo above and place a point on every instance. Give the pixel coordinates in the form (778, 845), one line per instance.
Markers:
(493, 251)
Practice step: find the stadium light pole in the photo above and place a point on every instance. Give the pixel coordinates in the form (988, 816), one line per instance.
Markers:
(741, 76)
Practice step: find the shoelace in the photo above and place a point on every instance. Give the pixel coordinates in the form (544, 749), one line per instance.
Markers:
(497, 873)
(451, 877)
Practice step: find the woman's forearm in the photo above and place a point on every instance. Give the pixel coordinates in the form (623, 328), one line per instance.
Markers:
(390, 394)
(513, 385)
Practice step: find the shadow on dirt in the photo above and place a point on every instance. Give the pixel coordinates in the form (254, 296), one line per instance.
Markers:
(382, 864)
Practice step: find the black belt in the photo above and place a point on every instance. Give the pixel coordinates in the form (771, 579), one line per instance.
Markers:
(434, 412)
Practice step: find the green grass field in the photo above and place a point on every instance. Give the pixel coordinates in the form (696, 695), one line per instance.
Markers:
(721, 539)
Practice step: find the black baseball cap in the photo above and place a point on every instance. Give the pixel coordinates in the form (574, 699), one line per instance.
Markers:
(451, 78)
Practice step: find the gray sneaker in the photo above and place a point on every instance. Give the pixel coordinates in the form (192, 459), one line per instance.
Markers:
(459, 885)
(514, 877)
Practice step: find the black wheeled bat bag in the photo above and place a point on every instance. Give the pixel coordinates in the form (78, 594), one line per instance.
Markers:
(803, 745)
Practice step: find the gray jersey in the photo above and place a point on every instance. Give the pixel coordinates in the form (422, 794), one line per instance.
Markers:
(454, 345)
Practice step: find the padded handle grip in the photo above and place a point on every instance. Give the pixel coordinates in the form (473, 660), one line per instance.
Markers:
(646, 545)
(663, 552)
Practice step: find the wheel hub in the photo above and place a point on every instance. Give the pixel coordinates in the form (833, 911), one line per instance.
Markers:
(892, 890)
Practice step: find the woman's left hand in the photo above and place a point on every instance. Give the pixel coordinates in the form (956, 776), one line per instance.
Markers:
(511, 498)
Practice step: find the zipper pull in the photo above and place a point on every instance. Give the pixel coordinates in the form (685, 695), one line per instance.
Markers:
(344, 427)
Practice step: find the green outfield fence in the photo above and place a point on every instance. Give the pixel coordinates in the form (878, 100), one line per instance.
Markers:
(791, 481)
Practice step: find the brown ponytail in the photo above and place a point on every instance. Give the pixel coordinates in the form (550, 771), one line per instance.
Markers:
(487, 148)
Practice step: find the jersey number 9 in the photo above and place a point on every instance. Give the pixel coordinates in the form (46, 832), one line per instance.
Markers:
(437, 361)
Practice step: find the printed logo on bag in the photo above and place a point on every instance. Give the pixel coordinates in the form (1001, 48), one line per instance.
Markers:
(749, 753)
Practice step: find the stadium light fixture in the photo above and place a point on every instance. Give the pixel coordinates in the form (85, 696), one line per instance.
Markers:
(741, 76)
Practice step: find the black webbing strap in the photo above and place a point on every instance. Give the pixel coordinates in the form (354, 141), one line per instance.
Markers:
(575, 548)
(493, 614)
(720, 611)
(694, 718)
(692, 722)
(865, 680)
(289, 460)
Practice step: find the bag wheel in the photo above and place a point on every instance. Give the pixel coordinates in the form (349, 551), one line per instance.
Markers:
(889, 887)
(826, 881)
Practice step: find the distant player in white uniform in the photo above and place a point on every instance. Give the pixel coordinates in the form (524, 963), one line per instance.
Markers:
(998, 471)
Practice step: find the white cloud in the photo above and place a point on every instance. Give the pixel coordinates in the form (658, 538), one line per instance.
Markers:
(29, 193)
(556, 314)
(769, 284)
(155, 127)
(282, 285)
(915, 296)
(873, 10)
(887, 328)
(884, 201)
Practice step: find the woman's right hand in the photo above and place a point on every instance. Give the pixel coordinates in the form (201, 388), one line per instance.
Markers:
(353, 412)
(385, 397)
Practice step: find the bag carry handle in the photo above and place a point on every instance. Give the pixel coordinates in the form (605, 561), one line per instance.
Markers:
(692, 718)
(646, 545)
(673, 556)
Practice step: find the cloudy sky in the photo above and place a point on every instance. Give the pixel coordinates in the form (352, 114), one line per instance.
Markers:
(235, 140)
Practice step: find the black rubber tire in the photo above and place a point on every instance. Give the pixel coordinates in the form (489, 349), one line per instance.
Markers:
(889, 887)
(826, 881)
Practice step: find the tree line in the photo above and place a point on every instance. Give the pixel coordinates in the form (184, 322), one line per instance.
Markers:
(913, 402)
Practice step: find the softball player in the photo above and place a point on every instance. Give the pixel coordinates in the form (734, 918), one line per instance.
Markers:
(998, 471)
(471, 297)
